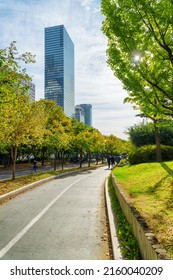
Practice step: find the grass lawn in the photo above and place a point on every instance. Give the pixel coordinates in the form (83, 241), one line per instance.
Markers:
(150, 188)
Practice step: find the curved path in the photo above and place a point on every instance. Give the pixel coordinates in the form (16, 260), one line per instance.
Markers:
(61, 219)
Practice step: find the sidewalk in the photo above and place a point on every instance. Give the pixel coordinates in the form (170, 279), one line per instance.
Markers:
(6, 173)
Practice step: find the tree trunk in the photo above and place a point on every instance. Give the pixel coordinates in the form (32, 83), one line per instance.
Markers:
(14, 156)
(80, 158)
(62, 160)
(55, 159)
(89, 159)
(97, 159)
(102, 159)
(43, 155)
(157, 139)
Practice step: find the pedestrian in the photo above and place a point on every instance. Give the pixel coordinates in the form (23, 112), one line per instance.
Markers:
(108, 161)
(35, 166)
(117, 159)
(112, 161)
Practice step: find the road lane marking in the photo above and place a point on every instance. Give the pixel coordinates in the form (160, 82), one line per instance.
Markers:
(33, 221)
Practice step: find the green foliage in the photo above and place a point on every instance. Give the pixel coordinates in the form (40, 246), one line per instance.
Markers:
(115, 145)
(148, 154)
(166, 135)
(13, 78)
(129, 246)
(41, 125)
(15, 117)
(140, 51)
(143, 134)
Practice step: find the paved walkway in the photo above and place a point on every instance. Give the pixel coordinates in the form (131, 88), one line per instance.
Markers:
(7, 173)
(61, 219)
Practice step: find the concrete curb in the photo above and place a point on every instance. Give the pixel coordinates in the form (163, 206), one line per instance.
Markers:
(38, 183)
(114, 240)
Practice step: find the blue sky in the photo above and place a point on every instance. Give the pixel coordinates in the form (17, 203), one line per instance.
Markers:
(24, 21)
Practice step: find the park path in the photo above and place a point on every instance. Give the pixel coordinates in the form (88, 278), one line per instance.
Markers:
(61, 219)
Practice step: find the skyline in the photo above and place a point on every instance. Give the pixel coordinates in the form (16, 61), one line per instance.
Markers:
(95, 84)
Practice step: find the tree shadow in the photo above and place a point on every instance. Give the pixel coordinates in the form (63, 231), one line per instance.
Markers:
(169, 204)
(159, 184)
(166, 168)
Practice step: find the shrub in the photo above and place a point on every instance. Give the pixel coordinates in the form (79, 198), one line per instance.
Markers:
(148, 154)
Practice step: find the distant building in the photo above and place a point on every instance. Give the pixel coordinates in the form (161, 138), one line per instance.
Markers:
(31, 91)
(88, 113)
(59, 68)
(79, 114)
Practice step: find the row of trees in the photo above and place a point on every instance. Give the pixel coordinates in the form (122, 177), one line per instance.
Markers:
(140, 53)
(42, 124)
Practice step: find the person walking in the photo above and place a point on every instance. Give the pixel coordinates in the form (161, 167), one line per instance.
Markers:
(112, 159)
(108, 161)
(35, 166)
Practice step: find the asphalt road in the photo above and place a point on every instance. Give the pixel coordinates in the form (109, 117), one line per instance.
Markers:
(61, 219)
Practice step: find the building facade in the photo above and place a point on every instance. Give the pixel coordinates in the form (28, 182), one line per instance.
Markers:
(31, 91)
(31, 88)
(79, 114)
(59, 68)
(88, 113)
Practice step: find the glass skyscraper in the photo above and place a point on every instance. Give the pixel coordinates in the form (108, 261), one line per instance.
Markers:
(59, 68)
(88, 113)
(79, 114)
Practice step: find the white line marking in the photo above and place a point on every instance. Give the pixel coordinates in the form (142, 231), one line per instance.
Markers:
(33, 221)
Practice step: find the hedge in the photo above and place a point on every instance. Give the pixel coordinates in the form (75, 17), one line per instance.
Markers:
(148, 154)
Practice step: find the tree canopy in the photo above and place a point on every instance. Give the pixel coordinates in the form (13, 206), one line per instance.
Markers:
(41, 125)
(140, 51)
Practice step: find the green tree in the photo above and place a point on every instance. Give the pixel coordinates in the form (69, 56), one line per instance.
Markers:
(82, 138)
(21, 124)
(98, 144)
(14, 100)
(13, 77)
(140, 52)
(57, 129)
(140, 49)
(114, 145)
(143, 133)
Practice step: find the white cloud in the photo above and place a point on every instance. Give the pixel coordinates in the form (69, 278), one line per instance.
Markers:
(24, 22)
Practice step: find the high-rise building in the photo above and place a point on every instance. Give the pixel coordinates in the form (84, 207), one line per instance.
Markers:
(31, 91)
(59, 68)
(79, 114)
(88, 113)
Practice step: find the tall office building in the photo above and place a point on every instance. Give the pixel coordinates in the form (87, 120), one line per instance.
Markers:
(31, 91)
(59, 68)
(88, 113)
(79, 114)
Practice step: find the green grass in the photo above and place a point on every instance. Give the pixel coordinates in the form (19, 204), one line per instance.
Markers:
(150, 188)
(129, 246)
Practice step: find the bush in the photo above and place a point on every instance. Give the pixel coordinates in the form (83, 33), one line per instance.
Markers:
(143, 134)
(148, 154)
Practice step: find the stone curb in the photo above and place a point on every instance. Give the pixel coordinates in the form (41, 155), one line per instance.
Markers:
(114, 240)
(38, 183)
